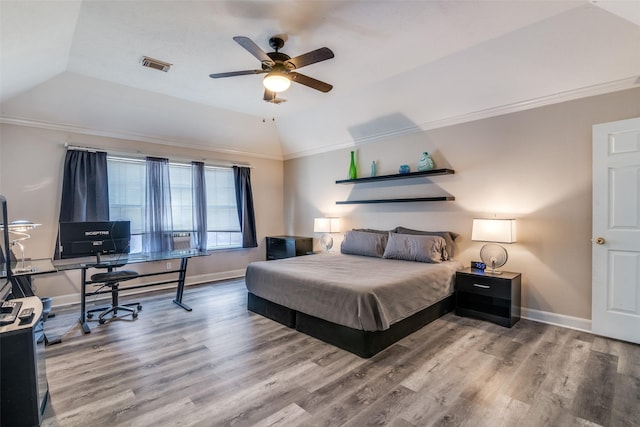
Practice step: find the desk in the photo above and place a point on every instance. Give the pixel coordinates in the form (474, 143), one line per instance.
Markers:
(112, 261)
(21, 280)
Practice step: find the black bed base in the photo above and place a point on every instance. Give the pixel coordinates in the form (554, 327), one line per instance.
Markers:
(363, 343)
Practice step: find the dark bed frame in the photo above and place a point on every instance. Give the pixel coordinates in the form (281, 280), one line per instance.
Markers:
(363, 343)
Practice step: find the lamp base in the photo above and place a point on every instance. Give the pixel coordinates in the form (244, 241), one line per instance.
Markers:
(327, 242)
(23, 269)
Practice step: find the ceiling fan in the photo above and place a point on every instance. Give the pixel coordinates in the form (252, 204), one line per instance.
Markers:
(279, 67)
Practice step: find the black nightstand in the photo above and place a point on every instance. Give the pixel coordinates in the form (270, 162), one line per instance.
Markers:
(493, 297)
(279, 247)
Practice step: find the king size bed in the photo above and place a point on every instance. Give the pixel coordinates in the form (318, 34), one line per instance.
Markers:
(380, 288)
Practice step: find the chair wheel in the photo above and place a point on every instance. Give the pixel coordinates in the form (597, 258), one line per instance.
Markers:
(134, 315)
(89, 315)
(101, 321)
(139, 307)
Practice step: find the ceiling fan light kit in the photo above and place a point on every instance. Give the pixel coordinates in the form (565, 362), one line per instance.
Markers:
(279, 67)
(276, 81)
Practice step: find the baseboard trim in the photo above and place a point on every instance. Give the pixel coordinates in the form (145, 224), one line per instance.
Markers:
(71, 299)
(556, 319)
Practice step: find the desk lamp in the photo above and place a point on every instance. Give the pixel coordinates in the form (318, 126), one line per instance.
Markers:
(497, 231)
(20, 228)
(326, 225)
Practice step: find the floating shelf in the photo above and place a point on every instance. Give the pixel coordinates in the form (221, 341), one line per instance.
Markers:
(397, 176)
(412, 199)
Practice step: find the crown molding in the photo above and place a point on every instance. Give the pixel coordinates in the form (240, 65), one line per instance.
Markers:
(585, 92)
(128, 136)
(594, 90)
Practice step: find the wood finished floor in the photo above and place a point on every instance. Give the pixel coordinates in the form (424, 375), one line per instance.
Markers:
(221, 365)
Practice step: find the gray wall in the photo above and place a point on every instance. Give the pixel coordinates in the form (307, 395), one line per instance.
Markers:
(533, 165)
(31, 162)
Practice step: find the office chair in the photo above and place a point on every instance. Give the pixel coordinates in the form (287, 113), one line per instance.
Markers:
(112, 279)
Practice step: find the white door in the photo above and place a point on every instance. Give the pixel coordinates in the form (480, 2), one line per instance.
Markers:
(616, 230)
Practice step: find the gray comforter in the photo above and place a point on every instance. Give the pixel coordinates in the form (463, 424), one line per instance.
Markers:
(360, 292)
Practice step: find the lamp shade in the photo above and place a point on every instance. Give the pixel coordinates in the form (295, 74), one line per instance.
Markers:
(276, 82)
(494, 230)
(326, 225)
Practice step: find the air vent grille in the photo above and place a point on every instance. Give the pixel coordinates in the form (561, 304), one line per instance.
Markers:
(155, 64)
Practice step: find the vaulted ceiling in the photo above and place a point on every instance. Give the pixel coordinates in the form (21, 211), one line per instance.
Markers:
(399, 66)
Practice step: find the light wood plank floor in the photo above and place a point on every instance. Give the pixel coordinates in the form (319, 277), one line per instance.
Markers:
(222, 365)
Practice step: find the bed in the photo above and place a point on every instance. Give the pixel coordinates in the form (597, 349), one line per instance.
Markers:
(381, 287)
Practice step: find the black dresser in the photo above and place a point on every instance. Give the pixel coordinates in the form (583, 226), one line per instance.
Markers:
(23, 383)
(279, 247)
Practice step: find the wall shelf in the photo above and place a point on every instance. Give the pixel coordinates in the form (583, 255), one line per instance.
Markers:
(411, 199)
(432, 172)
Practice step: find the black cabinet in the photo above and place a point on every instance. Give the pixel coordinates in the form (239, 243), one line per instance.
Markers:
(493, 297)
(23, 390)
(279, 247)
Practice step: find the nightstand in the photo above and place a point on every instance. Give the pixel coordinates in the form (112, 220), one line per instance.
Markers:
(279, 247)
(493, 297)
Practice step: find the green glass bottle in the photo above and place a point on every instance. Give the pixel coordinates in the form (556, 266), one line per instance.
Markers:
(353, 173)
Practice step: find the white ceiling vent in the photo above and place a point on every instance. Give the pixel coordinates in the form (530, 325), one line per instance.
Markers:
(155, 64)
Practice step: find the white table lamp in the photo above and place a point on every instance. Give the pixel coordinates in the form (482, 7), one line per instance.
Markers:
(496, 231)
(327, 226)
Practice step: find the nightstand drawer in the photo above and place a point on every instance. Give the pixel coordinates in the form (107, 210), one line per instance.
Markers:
(489, 286)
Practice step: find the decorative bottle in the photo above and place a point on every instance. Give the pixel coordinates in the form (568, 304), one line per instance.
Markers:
(353, 173)
(425, 163)
(374, 168)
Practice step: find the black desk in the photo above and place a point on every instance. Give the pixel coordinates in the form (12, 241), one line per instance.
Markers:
(112, 261)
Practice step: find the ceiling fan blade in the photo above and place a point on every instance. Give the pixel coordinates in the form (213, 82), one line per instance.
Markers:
(312, 57)
(310, 81)
(272, 97)
(236, 73)
(254, 49)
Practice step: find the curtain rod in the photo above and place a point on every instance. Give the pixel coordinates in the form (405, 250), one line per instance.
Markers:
(140, 155)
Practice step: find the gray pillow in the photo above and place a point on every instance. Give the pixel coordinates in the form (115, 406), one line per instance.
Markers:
(448, 236)
(372, 230)
(362, 243)
(415, 248)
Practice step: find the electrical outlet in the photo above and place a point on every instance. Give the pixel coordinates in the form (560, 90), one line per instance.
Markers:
(168, 265)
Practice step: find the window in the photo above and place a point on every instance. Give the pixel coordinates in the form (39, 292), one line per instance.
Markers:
(127, 201)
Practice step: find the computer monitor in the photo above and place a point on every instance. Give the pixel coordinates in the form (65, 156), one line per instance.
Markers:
(80, 239)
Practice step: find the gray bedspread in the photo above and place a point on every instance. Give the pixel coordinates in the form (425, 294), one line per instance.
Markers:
(364, 293)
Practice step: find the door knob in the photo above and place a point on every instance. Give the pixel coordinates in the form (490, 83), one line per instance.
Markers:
(600, 241)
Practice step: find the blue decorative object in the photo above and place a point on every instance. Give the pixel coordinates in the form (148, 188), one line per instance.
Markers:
(374, 168)
(425, 163)
(404, 169)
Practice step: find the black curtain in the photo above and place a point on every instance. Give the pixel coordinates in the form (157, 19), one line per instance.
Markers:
(158, 235)
(244, 201)
(199, 188)
(85, 189)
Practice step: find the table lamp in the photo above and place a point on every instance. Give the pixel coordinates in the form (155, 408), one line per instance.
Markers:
(20, 228)
(497, 231)
(327, 226)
